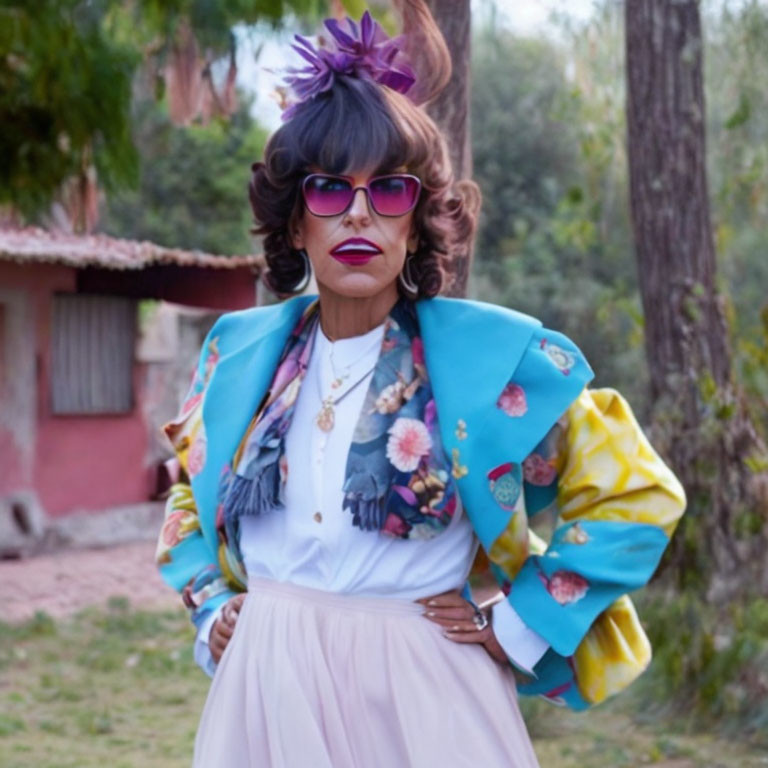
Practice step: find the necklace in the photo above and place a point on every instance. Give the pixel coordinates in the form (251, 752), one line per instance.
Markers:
(326, 416)
(337, 380)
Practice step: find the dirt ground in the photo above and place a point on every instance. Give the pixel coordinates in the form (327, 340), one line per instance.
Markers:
(64, 582)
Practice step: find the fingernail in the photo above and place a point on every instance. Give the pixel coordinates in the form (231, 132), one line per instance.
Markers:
(431, 613)
(455, 628)
(448, 634)
(432, 602)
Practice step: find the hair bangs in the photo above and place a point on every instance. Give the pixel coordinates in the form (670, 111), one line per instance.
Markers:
(349, 128)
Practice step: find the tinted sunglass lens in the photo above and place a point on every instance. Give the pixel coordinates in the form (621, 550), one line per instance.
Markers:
(326, 195)
(393, 195)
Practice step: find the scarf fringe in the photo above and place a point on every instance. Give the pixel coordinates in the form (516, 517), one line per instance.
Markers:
(367, 514)
(255, 496)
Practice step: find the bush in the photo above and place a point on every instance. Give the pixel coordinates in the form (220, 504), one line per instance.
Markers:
(710, 665)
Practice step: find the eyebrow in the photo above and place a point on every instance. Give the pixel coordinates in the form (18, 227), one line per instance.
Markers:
(380, 171)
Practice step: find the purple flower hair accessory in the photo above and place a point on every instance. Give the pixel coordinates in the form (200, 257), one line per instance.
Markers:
(363, 51)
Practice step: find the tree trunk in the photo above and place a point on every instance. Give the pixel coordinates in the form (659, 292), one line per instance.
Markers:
(450, 111)
(700, 422)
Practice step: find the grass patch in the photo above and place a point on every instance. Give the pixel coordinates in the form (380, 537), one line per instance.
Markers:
(119, 687)
(113, 687)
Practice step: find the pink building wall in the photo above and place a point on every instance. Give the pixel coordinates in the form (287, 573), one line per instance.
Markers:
(76, 463)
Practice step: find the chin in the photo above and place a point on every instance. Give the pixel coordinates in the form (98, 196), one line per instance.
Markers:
(359, 286)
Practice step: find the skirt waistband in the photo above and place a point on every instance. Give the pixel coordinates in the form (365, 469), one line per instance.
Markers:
(357, 603)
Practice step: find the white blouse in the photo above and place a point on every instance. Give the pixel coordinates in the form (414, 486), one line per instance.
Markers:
(313, 543)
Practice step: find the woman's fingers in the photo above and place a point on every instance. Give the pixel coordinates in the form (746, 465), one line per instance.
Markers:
(456, 615)
(221, 632)
(450, 609)
(460, 613)
(217, 646)
(235, 603)
(476, 636)
(444, 600)
(222, 629)
(486, 637)
(455, 625)
(231, 609)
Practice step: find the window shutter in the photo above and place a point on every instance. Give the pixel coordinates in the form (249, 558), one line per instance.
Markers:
(92, 354)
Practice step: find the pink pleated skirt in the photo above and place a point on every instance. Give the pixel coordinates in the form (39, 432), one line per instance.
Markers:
(314, 679)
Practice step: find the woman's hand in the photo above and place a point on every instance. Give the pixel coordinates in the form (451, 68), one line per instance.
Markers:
(457, 615)
(224, 626)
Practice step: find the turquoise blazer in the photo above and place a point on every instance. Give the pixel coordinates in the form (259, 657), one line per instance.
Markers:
(473, 350)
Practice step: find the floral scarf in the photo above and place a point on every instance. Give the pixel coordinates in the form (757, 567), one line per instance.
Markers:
(397, 480)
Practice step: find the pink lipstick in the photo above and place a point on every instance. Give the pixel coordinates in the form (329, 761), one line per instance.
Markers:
(355, 250)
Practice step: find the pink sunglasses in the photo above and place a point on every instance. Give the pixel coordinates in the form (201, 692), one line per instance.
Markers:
(392, 195)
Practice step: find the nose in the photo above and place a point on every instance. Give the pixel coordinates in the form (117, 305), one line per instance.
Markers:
(359, 210)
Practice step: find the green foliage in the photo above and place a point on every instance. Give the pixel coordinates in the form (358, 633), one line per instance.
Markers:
(709, 665)
(554, 238)
(736, 67)
(740, 115)
(65, 89)
(381, 10)
(66, 74)
(549, 153)
(193, 188)
(212, 21)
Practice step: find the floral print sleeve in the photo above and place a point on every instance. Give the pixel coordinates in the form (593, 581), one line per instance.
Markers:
(616, 504)
(186, 560)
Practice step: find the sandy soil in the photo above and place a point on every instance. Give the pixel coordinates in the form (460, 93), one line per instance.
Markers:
(63, 583)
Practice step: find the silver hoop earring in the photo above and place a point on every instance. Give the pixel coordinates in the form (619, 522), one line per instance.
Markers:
(405, 277)
(304, 282)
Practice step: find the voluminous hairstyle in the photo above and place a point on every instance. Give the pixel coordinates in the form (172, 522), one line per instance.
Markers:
(358, 124)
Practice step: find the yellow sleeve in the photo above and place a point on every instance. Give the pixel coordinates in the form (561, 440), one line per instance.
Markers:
(609, 471)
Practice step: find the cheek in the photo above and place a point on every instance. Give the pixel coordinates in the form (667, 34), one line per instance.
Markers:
(316, 231)
(398, 234)
(318, 239)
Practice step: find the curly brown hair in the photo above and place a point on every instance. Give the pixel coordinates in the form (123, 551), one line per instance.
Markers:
(360, 124)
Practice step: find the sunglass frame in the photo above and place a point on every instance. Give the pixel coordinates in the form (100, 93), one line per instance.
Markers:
(367, 189)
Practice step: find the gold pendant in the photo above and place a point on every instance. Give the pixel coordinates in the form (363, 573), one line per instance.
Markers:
(318, 518)
(325, 418)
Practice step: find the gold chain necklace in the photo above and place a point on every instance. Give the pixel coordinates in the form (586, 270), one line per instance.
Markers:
(337, 380)
(326, 416)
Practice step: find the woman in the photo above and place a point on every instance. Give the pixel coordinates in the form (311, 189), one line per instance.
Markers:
(349, 456)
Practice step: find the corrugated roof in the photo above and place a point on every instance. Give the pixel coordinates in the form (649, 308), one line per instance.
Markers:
(32, 244)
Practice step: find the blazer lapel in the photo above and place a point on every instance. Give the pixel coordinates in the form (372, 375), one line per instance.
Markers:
(250, 344)
(473, 350)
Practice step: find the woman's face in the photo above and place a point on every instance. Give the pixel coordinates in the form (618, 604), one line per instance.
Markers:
(351, 274)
